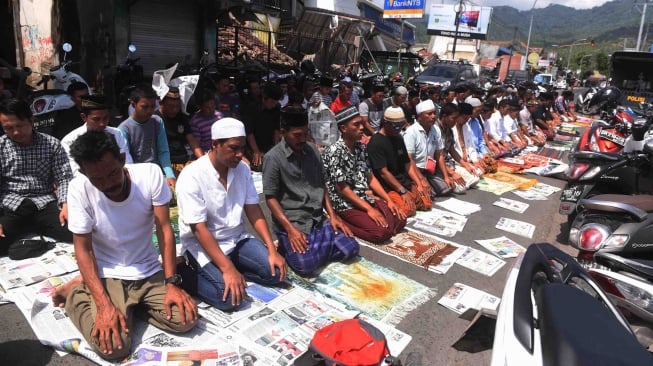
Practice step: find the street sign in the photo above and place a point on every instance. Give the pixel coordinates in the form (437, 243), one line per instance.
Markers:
(404, 9)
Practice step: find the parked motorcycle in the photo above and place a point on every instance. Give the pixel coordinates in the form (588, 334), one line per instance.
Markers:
(554, 313)
(591, 173)
(629, 284)
(45, 104)
(596, 99)
(127, 75)
(61, 74)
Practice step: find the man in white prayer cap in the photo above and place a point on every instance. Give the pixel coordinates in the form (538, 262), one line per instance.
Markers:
(213, 192)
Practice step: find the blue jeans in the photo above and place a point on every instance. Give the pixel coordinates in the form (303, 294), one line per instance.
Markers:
(250, 257)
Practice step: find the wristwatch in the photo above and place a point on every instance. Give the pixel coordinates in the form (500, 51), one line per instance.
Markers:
(403, 190)
(175, 280)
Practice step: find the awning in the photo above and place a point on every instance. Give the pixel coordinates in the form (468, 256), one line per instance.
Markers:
(328, 34)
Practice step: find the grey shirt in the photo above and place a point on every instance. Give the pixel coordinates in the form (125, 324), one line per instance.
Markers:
(296, 181)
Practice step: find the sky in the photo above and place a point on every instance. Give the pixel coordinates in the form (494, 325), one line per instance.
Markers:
(528, 4)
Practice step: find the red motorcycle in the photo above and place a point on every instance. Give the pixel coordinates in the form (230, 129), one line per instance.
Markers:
(607, 137)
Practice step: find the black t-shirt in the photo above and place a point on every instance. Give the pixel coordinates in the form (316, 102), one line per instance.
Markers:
(541, 114)
(390, 152)
(66, 120)
(176, 130)
(262, 123)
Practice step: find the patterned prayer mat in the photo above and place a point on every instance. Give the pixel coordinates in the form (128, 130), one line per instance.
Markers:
(413, 247)
(551, 153)
(374, 290)
(514, 180)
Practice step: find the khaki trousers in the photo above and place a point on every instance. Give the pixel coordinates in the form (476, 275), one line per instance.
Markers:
(145, 296)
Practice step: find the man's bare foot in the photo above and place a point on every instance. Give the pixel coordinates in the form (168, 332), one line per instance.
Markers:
(60, 294)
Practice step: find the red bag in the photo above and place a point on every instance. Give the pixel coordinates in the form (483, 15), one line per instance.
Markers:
(346, 343)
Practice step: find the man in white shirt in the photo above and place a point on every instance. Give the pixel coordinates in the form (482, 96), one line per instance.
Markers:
(213, 192)
(95, 114)
(111, 210)
(424, 143)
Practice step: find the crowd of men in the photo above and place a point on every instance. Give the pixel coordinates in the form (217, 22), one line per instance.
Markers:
(104, 188)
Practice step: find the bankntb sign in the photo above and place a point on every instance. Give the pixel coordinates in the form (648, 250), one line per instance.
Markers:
(403, 8)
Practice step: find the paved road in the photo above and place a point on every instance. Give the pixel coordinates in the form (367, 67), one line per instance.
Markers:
(433, 327)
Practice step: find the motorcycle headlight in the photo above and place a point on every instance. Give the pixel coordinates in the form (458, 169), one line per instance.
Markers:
(639, 296)
(591, 173)
(616, 241)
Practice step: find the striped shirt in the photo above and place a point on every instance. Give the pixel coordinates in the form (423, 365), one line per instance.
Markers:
(30, 172)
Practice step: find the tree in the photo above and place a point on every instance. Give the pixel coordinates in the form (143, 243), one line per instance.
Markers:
(602, 62)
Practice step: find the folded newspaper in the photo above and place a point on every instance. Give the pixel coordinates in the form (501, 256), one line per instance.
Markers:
(502, 247)
(520, 228)
(460, 298)
(480, 261)
(512, 205)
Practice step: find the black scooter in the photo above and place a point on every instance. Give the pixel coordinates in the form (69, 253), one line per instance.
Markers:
(615, 223)
(591, 173)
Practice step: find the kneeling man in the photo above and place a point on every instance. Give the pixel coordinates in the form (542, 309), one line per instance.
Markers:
(294, 190)
(111, 211)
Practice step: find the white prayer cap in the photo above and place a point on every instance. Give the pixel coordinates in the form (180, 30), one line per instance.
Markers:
(424, 106)
(227, 128)
(474, 102)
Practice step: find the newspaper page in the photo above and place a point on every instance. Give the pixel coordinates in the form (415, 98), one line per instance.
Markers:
(25, 272)
(257, 177)
(459, 206)
(436, 229)
(520, 228)
(530, 195)
(512, 205)
(502, 247)
(461, 297)
(257, 297)
(544, 189)
(440, 218)
(480, 262)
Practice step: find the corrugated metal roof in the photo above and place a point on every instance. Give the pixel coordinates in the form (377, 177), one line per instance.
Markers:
(316, 32)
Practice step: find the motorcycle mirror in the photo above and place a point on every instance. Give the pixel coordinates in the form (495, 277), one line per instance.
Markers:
(27, 70)
(67, 47)
(132, 48)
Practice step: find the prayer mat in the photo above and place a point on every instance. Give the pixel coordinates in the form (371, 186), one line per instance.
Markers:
(517, 181)
(551, 153)
(410, 246)
(174, 222)
(372, 289)
(494, 186)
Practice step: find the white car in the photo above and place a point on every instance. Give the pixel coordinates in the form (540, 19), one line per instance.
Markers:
(561, 84)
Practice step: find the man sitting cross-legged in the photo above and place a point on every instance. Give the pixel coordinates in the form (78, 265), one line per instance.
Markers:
(112, 209)
(350, 180)
(294, 190)
(213, 193)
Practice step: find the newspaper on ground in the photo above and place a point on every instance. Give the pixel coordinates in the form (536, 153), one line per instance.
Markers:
(435, 229)
(461, 297)
(459, 206)
(544, 189)
(520, 228)
(440, 218)
(502, 247)
(57, 261)
(530, 195)
(494, 186)
(275, 335)
(480, 262)
(512, 205)
(257, 298)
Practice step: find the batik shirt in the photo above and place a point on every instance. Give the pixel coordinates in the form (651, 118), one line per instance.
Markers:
(340, 165)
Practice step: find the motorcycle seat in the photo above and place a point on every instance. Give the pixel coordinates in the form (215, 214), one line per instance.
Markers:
(643, 201)
(577, 329)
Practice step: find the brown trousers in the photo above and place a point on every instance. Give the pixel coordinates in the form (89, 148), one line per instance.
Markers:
(146, 295)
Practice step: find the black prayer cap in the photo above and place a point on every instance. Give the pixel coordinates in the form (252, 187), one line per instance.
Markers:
(346, 114)
(326, 81)
(94, 102)
(293, 116)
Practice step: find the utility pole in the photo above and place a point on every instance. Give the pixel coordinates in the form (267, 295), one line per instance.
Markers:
(530, 28)
(641, 26)
(460, 9)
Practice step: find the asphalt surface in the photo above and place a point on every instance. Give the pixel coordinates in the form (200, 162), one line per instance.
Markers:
(434, 328)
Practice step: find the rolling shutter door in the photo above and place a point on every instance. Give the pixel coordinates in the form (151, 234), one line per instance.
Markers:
(164, 32)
